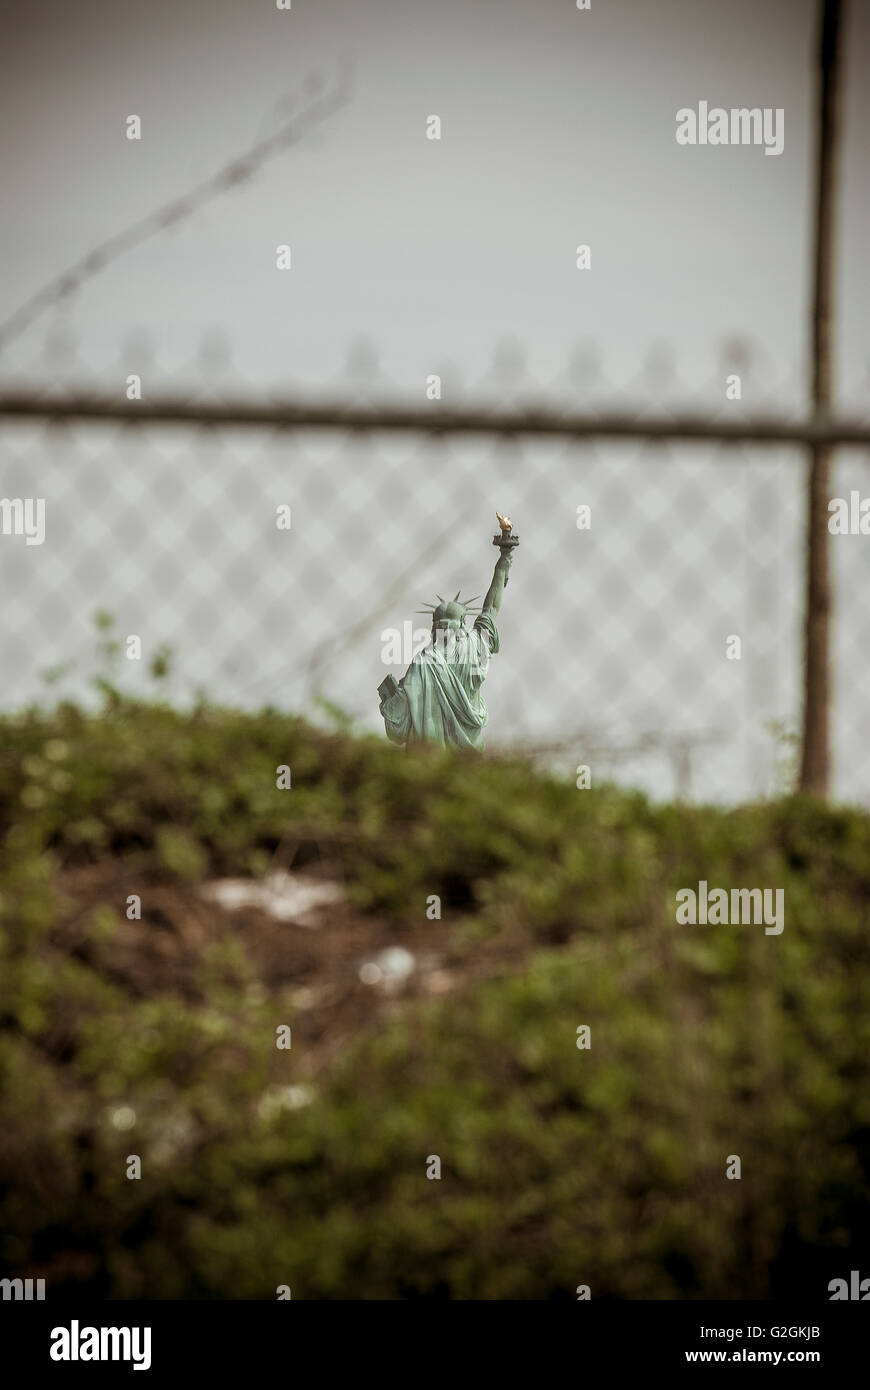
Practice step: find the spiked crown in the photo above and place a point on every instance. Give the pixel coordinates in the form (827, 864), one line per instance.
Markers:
(450, 612)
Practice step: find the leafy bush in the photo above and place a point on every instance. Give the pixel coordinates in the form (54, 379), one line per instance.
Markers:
(561, 1166)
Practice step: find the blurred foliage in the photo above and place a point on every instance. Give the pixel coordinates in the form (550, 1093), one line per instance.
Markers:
(560, 1166)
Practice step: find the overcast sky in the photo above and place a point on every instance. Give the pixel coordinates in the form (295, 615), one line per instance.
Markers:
(558, 128)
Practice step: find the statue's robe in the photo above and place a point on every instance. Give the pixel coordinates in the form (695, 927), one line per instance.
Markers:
(439, 698)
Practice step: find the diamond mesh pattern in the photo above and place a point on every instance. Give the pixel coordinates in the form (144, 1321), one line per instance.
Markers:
(613, 639)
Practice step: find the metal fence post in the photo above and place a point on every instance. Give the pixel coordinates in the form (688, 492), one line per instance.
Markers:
(815, 752)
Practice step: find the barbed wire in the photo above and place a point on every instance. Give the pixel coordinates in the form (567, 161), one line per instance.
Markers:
(237, 171)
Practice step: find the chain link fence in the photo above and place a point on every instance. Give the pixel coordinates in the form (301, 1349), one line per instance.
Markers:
(619, 623)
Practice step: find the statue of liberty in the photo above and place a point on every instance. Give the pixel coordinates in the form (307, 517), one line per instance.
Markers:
(439, 698)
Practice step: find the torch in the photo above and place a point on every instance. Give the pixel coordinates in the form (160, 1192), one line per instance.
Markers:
(505, 540)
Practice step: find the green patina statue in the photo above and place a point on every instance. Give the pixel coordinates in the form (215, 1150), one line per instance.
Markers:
(439, 698)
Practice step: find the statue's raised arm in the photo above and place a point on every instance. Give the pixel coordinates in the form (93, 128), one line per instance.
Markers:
(507, 543)
(492, 601)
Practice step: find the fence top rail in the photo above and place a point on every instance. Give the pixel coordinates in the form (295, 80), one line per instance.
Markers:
(379, 417)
